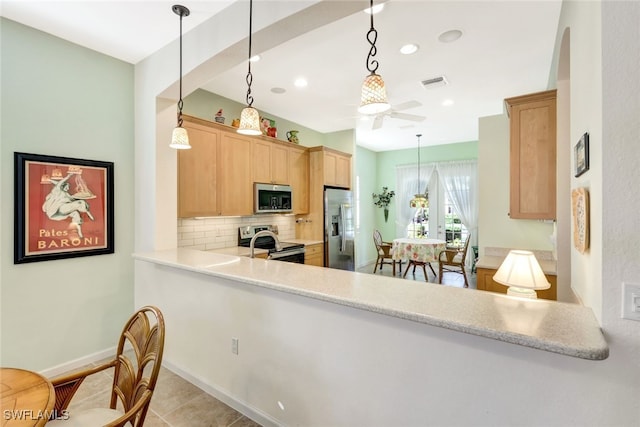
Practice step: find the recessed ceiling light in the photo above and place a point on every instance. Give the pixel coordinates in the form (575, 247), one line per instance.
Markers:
(447, 102)
(301, 82)
(255, 58)
(278, 90)
(450, 36)
(408, 49)
(376, 9)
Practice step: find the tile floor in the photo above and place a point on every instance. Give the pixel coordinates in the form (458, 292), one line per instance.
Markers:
(175, 403)
(178, 403)
(449, 279)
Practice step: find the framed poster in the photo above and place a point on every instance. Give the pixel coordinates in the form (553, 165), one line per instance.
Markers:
(63, 208)
(581, 154)
(580, 210)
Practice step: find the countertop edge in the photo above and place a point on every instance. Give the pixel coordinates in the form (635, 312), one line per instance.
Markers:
(596, 349)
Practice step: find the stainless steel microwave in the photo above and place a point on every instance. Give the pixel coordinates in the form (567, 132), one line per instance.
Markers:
(270, 198)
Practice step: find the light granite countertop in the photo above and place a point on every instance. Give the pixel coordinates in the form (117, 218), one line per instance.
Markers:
(239, 251)
(568, 329)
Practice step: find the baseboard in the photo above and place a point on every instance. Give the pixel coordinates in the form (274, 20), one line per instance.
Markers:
(78, 363)
(240, 406)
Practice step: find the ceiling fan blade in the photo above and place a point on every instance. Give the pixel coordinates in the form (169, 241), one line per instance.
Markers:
(407, 105)
(404, 116)
(377, 122)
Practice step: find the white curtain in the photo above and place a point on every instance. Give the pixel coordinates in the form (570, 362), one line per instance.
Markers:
(460, 181)
(408, 186)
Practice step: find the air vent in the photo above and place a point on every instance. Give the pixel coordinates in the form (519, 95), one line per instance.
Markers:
(434, 82)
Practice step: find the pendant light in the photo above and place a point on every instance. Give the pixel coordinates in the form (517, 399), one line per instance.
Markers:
(419, 200)
(249, 118)
(374, 95)
(180, 138)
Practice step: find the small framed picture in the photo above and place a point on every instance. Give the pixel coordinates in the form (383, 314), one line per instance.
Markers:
(63, 208)
(581, 152)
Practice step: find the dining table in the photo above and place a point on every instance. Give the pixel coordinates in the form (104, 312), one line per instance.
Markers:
(27, 398)
(418, 252)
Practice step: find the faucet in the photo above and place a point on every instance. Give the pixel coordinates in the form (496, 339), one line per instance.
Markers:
(264, 233)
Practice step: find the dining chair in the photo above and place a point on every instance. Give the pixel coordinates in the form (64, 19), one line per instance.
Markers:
(136, 366)
(453, 260)
(383, 250)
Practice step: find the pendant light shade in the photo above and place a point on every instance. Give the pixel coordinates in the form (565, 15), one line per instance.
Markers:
(180, 138)
(419, 200)
(374, 95)
(249, 118)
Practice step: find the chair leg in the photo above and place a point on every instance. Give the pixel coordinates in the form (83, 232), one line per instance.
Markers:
(394, 267)
(424, 270)
(431, 267)
(464, 274)
(441, 272)
(376, 266)
(407, 270)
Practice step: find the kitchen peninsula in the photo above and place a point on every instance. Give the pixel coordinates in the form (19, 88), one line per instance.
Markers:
(315, 329)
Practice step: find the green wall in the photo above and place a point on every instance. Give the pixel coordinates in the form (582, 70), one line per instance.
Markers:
(64, 100)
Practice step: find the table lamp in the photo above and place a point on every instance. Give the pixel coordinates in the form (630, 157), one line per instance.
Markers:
(523, 275)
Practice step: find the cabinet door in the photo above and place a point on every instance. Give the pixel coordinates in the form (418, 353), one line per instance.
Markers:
(299, 177)
(235, 184)
(343, 172)
(270, 162)
(280, 164)
(533, 156)
(197, 173)
(330, 169)
(314, 255)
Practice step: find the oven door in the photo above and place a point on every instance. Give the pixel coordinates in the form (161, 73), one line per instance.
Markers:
(289, 255)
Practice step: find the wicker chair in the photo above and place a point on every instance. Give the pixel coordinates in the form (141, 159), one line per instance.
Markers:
(453, 260)
(384, 253)
(136, 367)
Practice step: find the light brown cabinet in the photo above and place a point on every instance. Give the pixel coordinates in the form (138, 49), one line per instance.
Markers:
(235, 186)
(299, 178)
(337, 169)
(314, 254)
(198, 172)
(532, 121)
(485, 282)
(270, 162)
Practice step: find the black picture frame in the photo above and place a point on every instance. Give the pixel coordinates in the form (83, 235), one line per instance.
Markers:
(581, 155)
(63, 207)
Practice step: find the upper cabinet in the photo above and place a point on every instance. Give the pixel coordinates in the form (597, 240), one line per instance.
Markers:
(334, 165)
(299, 178)
(270, 162)
(532, 155)
(216, 176)
(198, 172)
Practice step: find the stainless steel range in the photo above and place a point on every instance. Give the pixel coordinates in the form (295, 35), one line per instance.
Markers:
(290, 252)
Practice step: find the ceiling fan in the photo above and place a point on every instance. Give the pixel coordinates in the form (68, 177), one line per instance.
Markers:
(395, 114)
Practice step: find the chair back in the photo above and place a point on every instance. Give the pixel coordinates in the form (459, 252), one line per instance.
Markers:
(466, 248)
(377, 239)
(138, 361)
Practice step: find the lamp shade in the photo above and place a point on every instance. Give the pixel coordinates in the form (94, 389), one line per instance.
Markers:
(419, 201)
(249, 122)
(521, 270)
(374, 95)
(180, 139)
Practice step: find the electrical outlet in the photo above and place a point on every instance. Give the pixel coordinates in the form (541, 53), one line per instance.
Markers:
(234, 345)
(630, 301)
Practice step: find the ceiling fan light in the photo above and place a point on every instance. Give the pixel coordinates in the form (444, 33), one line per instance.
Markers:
(249, 122)
(374, 95)
(180, 139)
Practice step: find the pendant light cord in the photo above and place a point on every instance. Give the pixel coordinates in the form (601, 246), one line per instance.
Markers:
(372, 37)
(249, 75)
(180, 102)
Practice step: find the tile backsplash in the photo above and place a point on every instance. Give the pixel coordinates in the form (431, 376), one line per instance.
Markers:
(222, 232)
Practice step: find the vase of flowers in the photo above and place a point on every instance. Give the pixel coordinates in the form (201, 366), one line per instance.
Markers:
(383, 199)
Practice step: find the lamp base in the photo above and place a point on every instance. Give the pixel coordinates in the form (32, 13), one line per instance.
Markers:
(522, 292)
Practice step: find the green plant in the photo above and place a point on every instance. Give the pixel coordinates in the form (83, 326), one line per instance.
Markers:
(383, 199)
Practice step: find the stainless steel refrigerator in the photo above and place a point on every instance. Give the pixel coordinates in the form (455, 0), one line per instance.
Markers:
(339, 229)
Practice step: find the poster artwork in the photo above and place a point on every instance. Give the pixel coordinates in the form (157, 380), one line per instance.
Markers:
(66, 208)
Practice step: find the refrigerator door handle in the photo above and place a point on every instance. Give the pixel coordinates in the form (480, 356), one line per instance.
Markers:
(343, 237)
